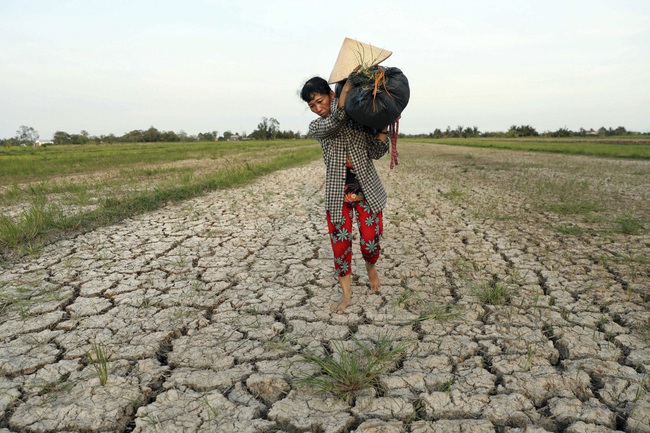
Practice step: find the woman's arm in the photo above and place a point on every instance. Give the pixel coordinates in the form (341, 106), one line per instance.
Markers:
(379, 145)
(324, 127)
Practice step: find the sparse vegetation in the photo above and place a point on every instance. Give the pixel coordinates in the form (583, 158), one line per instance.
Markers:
(493, 292)
(628, 224)
(344, 371)
(637, 146)
(63, 189)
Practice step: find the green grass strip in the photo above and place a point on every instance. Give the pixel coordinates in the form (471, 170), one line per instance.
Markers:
(42, 223)
(633, 149)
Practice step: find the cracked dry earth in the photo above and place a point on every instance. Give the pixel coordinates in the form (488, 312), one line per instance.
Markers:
(204, 307)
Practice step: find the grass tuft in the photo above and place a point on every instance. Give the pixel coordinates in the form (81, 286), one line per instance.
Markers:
(494, 293)
(628, 225)
(98, 357)
(345, 372)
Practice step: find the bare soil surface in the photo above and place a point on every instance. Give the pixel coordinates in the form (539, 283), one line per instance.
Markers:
(519, 281)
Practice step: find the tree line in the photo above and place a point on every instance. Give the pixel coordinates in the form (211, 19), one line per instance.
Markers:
(269, 129)
(517, 131)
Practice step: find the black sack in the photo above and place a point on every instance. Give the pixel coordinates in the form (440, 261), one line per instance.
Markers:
(383, 108)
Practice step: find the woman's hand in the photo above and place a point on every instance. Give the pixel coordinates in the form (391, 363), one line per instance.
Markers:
(344, 92)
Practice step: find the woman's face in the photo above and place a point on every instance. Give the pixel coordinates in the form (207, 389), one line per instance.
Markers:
(320, 103)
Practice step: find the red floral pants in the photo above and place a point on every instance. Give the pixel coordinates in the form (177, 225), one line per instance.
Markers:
(370, 230)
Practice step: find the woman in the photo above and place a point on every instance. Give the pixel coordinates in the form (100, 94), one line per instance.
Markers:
(351, 182)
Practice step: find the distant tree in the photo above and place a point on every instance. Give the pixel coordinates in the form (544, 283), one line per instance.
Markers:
(227, 135)
(471, 132)
(562, 132)
(207, 136)
(182, 136)
(169, 136)
(135, 136)
(151, 135)
(110, 138)
(267, 129)
(288, 135)
(26, 135)
(522, 131)
(79, 138)
(61, 137)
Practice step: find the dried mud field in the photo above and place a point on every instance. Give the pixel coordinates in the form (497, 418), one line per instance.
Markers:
(517, 281)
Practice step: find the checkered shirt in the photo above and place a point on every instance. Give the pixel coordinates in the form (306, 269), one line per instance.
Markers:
(339, 135)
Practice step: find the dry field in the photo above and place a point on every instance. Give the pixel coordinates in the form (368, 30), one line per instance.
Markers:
(515, 294)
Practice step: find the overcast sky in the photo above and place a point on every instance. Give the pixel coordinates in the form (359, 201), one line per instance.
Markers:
(205, 65)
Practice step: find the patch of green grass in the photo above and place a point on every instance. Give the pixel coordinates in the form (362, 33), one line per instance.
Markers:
(494, 293)
(454, 193)
(345, 372)
(11, 195)
(565, 197)
(44, 220)
(34, 221)
(628, 225)
(572, 207)
(637, 147)
(427, 309)
(570, 230)
(445, 386)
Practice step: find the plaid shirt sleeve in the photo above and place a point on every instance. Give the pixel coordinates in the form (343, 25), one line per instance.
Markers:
(378, 148)
(338, 139)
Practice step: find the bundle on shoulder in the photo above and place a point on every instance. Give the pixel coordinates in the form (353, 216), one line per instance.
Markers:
(379, 93)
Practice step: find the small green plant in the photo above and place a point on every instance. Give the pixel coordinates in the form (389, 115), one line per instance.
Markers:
(281, 341)
(211, 411)
(152, 420)
(529, 357)
(404, 296)
(98, 357)
(345, 372)
(494, 292)
(628, 225)
(572, 207)
(454, 193)
(442, 313)
(445, 386)
(570, 230)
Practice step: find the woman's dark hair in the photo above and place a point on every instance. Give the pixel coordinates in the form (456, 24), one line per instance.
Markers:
(313, 87)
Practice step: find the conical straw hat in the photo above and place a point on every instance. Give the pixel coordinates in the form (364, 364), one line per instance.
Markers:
(354, 53)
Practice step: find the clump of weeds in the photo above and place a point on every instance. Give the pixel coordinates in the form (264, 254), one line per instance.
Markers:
(98, 357)
(344, 372)
(628, 225)
(494, 292)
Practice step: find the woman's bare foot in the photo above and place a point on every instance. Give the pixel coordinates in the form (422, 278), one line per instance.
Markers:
(341, 305)
(373, 276)
(346, 299)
